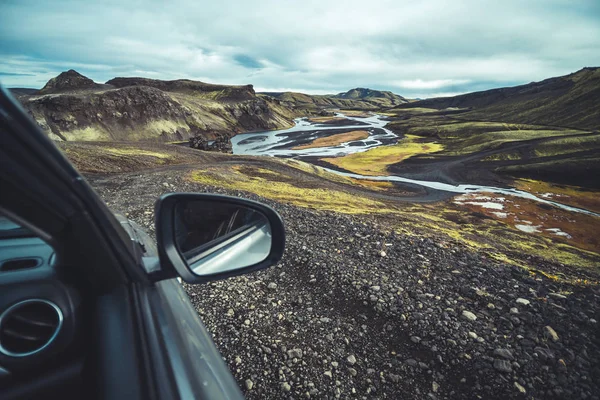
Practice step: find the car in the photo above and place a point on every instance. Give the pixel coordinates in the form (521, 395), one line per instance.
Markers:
(90, 305)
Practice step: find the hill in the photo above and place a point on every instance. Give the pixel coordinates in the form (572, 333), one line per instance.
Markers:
(568, 101)
(356, 99)
(73, 107)
(68, 81)
(372, 96)
(186, 86)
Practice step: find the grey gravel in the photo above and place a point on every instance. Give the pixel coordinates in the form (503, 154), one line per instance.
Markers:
(427, 285)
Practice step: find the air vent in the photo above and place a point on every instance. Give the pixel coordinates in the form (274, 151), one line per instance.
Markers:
(21, 263)
(29, 327)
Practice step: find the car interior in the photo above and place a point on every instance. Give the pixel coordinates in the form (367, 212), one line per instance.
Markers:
(41, 319)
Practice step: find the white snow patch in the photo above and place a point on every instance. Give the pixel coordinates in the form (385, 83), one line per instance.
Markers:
(527, 228)
(558, 232)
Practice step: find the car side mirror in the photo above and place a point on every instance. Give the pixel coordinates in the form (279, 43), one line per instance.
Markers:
(206, 237)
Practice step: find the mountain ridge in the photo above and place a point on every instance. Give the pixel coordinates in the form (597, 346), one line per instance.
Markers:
(570, 101)
(73, 107)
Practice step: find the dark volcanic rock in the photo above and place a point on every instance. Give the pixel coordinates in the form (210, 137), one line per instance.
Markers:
(221, 144)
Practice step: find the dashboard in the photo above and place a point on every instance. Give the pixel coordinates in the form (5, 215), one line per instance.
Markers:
(39, 313)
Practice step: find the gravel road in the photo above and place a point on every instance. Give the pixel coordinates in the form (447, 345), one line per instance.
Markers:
(356, 311)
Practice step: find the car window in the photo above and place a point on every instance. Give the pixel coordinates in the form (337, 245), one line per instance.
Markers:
(10, 229)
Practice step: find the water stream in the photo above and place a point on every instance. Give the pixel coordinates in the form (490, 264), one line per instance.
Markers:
(280, 143)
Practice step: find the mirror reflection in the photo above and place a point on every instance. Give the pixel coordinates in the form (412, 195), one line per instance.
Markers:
(216, 237)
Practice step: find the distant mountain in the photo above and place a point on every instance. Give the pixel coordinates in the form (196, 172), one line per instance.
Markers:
(73, 107)
(23, 91)
(359, 98)
(376, 96)
(571, 101)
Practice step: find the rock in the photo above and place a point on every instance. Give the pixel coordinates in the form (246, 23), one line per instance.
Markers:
(504, 353)
(272, 286)
(238, 361)
(415, 339)
(434, 387)
(468, 315)
(472, 335)
(286, 387)
(411, 363)
(249, 384)
(376, 288)
(502, 365)
(491, 306)
(382, 253)
(520, 388)
(351, 359)
(514, 310)
(557, 296)
(550, 333)
(294, 353)
(328, 374)
(352, 371)
(522, 301)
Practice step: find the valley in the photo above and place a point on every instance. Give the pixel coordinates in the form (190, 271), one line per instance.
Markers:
(404, 218)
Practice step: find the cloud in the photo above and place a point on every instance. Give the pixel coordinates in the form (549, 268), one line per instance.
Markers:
(432, 84)
(413, 48)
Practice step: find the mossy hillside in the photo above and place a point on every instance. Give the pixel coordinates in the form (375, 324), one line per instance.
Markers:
(568, 145)
(493, 140)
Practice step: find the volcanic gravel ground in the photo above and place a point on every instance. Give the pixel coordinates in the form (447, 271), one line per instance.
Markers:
(355, 311)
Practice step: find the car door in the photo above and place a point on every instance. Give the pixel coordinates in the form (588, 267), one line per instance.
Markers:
(135, 333)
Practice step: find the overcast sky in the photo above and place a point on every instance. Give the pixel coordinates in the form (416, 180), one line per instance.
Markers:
(416, 48)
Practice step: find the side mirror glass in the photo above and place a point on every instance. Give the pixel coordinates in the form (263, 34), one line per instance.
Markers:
(208, 237)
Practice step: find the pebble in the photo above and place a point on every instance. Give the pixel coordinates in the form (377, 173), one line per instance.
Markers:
(504, 353)
(294, 353)
(550, 333)
(272, 286)
(468, 315)
(286, 387)
(351, 359)
(249, 384)
(472, 335)
(520, 388)
(514, 310)
(502, 365)
(522, 301)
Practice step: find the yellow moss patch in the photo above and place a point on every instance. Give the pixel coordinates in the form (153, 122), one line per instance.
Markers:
(130, 151)
(375, 162)
(334, 140)
(317, 198)
(86, 134)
